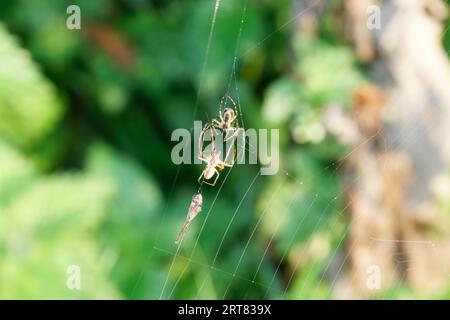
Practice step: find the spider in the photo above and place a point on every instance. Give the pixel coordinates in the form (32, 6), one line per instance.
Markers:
(226, 124)
(214, 163)
(227, 121)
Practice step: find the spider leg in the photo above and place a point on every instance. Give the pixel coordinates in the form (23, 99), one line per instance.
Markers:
(201, 176)
(235, 116)
(217, 177)
(231, 99)
(200, 150)
(212, 131)
(228, 165)
(233, 135)
(228, 154)
(211, 128)
(210, 184)
(201, 138)
(216, 172)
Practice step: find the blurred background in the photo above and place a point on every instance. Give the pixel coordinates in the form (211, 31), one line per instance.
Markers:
(359, 90)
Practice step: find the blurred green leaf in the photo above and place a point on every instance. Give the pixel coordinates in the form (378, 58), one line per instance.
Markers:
(29, 104)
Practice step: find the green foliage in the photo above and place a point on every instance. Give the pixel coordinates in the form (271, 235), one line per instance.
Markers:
(47, 224)
(29, 106)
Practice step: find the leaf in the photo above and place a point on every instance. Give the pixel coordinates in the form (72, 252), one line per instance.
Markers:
(29, 104)
(47, 225)
(329, 73)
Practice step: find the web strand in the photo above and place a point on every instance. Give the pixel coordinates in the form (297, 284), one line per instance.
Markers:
(201, 231)
(205, 60)
(202, 74)
(233, 274)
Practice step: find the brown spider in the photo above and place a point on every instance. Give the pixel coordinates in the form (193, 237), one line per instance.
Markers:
(226, 124)
(227, 121)
(213, 165)
(213, 161)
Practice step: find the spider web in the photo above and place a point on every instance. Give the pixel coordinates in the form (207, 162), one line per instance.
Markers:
(174, 182)
(212, 266)
(268, 286)
(233, 272)
(233, 71)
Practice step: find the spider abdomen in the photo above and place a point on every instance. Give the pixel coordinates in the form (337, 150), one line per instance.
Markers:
(209, 173)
